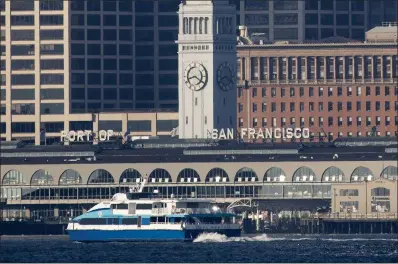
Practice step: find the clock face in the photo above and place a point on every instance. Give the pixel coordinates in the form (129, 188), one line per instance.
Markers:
(225, 76)
(195, 76)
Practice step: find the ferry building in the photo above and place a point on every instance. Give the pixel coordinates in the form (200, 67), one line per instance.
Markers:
(70, 177)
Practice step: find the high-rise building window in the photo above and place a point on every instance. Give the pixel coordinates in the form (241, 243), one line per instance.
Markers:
(358, 105)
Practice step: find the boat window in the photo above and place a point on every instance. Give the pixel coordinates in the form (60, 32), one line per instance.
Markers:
(120, 206)
(129, 221)
(192, 205)
(93, 221)
(144, 206)
(113, 221)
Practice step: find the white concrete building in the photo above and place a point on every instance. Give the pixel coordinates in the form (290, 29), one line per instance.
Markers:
(207, 67)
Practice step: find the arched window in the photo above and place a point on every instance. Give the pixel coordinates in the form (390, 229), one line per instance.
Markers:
(206, 25)
(188, 175)
(70, 177)
(275, 174)
(100, 176)
(185, 25)
(201, 25)
(304, 174)
(380, 191)
(14, 177)
(217, 175)
(159, 175)
(391, 173)
(361, 174)
(190, 25)
(333, 174)
(41, 177)
(246, 175)
(130, 175)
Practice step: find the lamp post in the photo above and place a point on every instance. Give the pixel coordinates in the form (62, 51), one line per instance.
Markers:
(366, 198)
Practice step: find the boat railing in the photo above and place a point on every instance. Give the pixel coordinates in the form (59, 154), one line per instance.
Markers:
(159, 211)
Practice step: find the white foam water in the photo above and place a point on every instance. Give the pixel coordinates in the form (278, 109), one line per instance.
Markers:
(219, 238)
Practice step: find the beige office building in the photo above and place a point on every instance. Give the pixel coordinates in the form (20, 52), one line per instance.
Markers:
(374, 197)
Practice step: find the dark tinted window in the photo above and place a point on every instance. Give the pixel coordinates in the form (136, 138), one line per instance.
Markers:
(94, 49)
(51, 34)
(93, 78)
(93, 5)
(143, 51)
(144, 21)
(25, 79)
(144, 206)
(3, 128)
(51, 94)
(125, 79)
(114, 125)
(168, 79)
(52, 49)
(168, 94)
(93, 34)
(143, 6)
(125, 20)
(125, 64)
(77, 78)
(342, 20)
(168, 50)
(77, 20)
(23, 109)
(2, 65)
(110, 34)
(129, 221)
(22, 35)
(109, 5)
(77, 5)
(51, 4)
(53, 127)
(110, 64)
(139, 126)
(125, 5)
(168, 35)
(22, 94)
(78, 94)
(77, 34)
(52, 78)
(22, 5)
(144, 79)
(23, 127)
(168, 6)
(93, 20)
(327, 19)
(126, 94)
(22, 50)
(51, 109)
(168, 64)
(93, 64)
(77, 64)
(110, 49)
(22, 65)
(22, 20)
(110, 78)
(110, 94)
(81, 125)
(166, 125)
(144, 35)
(168, 20)
(109, 20)
(93, 221)
(52, 64)
(125, 49)
(144, 94)
(46, 20)
(94, 93)
(125, 35)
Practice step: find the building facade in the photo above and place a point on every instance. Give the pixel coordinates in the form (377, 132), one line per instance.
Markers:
(374, 197)
(207, 67)
(342, 88)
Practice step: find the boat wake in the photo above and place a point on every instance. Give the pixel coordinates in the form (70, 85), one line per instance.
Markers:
(219, 238)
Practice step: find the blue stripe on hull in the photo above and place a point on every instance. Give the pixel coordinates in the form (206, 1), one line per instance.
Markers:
(125, 235)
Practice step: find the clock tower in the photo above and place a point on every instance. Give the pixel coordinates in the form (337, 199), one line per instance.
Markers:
(206, 67)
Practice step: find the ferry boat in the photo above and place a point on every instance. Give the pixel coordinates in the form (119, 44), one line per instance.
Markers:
(139, 216)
